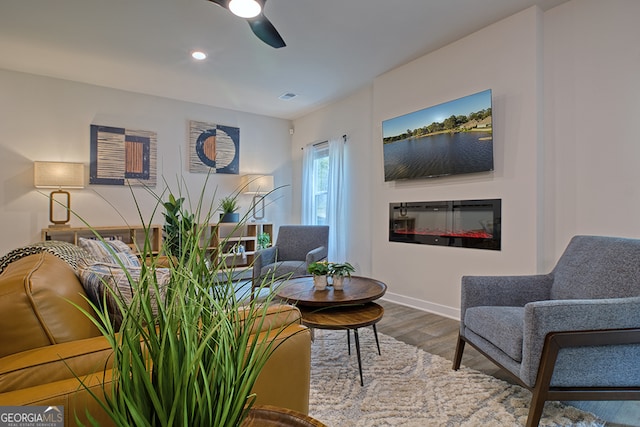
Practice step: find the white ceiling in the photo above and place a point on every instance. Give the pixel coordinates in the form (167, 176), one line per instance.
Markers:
(334, 47)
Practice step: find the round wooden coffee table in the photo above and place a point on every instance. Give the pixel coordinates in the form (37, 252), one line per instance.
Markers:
(357, 290)
(349, 309)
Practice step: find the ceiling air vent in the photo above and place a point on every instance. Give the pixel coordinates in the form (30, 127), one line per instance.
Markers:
(287, 96)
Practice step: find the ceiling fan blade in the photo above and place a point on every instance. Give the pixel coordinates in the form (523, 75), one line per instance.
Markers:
(222, 3)
(260, 26)
(265, 31)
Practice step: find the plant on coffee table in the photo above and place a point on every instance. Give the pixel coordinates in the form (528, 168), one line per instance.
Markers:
(319, 270)
(341, 269)
(338, 271)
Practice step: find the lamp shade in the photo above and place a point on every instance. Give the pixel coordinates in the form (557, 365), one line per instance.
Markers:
(257, 184)
(58, 175)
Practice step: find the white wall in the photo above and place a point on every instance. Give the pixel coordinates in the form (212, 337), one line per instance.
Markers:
(48, 119)
(502, 57)
(592, 107)
(566, 101)
(352, 117)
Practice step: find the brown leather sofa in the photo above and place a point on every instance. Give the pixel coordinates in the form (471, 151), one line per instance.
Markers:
(43, 338)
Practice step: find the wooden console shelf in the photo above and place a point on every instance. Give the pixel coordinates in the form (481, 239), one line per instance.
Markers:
(132, 236)
(235, 244)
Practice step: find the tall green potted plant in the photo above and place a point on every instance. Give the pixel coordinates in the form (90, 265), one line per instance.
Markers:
(184, 354)
(177, 225)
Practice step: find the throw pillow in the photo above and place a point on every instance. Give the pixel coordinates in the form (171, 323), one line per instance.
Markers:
(96, 276)
(66, 251)
(110, 251)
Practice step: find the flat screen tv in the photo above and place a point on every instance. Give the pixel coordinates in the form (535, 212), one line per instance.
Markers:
(452, 138)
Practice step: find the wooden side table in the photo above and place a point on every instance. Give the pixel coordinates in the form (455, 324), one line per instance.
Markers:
(349, 317)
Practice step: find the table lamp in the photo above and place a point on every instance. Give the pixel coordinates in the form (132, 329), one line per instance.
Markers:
(259, 186)
(58, 175)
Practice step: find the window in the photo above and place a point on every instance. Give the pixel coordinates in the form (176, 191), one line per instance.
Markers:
(320, 184)
(324, 192)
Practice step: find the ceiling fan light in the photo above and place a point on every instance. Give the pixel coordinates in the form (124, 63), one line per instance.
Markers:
(245, 8)
(198, 55)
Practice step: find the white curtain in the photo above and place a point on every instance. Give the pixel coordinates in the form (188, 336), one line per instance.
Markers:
(336, 196)
(336, 215)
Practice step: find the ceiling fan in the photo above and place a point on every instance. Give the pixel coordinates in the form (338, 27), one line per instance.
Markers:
(251, 10)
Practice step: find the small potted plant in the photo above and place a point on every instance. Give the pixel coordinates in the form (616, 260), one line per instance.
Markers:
(264, 240)
(338, 271)
(319, 270)
(229, 206)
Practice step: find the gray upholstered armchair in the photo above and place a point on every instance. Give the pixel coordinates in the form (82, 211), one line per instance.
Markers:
(297, 246)
(572, 334)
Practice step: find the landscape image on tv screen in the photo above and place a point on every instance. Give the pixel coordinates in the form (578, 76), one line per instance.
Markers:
(452, 138)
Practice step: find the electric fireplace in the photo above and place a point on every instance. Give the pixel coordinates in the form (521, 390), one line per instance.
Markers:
(460, 223)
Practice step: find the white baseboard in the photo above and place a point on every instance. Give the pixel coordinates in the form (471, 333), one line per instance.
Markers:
(442, 310)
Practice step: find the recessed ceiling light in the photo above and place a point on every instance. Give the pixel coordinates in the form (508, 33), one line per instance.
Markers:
(287, 96)
(198, 55)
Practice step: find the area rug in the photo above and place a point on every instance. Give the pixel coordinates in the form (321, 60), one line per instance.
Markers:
(406, 386)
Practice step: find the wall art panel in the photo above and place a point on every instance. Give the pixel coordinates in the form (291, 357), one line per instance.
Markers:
(122, 156)
(213, 148)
